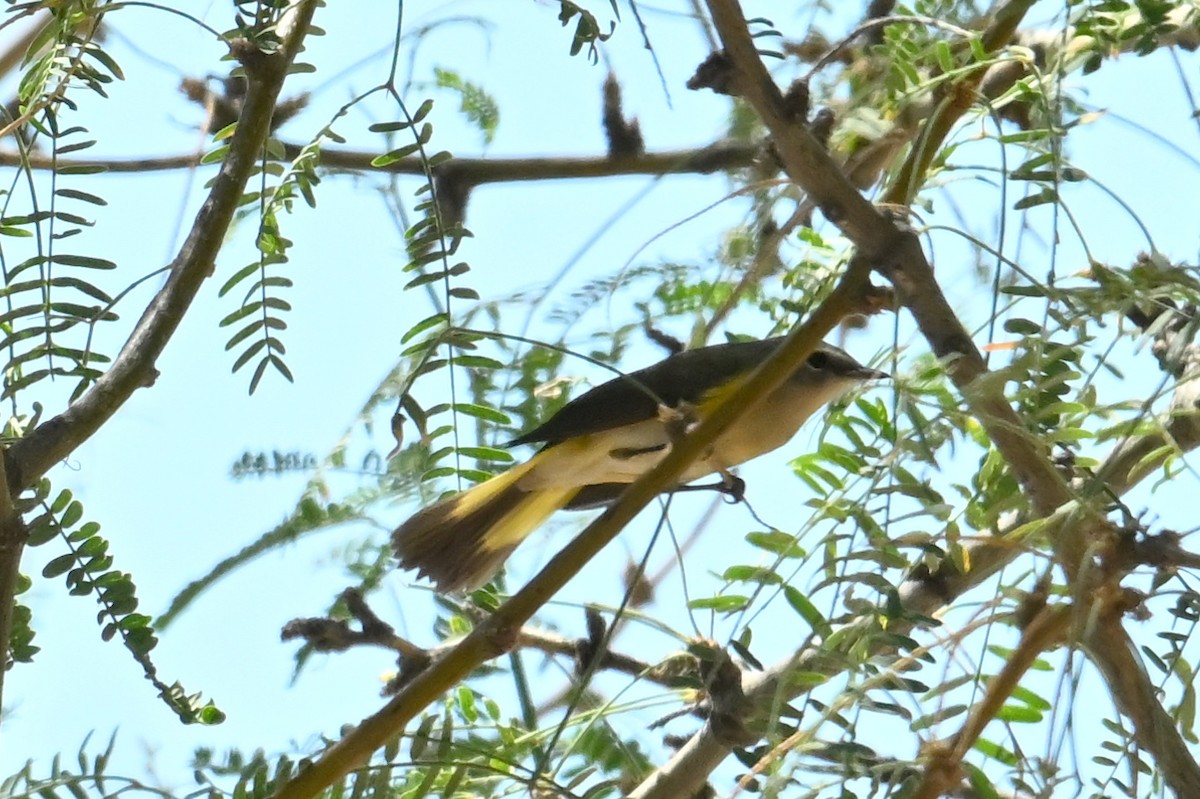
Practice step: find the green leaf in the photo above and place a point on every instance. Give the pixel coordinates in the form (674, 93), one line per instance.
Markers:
(725, 603)
(777, 542)
(995, 751)
(395, 155)
(425, 324)
(244, 333)
(250, 352)
(237, 277)
(487, 454)
(83, 196)
(85, 261)
(481, 411)
(73, 514)
(241, 313)
(1043, 197)
(1019, 714)
(59, 566)
(808, 611)
(258, 373)
(282, 367)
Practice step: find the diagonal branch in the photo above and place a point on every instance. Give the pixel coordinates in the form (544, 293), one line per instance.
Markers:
(31, 456)
(501, 630)
(944, 768)
(897, 253)
(1108, 646)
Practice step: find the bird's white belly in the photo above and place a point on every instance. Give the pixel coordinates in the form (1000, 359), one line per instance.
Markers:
(626, 453)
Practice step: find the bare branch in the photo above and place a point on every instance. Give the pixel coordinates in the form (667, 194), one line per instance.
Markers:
(721, 156)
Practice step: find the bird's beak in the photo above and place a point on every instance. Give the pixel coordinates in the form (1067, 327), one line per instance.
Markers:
(867, 373)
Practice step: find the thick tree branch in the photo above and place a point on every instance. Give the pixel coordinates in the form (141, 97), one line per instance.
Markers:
(896, 253)
(1110, 648)
(51, 442)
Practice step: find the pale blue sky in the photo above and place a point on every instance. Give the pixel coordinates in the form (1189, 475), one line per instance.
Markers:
(157, 478)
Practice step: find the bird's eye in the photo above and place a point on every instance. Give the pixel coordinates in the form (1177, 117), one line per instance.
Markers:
(818, 360)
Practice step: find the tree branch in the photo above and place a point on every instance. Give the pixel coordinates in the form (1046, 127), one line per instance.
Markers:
(721, 156)
(897, 254)
(1108, 645)
(944, 770)
(31, 456)
(13, 535)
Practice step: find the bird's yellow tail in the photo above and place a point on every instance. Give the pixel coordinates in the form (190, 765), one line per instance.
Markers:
(461, 541)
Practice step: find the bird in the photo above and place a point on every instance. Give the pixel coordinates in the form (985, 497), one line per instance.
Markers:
(606, 438)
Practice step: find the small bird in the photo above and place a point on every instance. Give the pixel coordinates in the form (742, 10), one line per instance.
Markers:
(605, 439)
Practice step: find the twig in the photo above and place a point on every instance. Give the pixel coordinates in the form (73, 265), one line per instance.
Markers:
(878, 22)
(552, 644)
(327, 634)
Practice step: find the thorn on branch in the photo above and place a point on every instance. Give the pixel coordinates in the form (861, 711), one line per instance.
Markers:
(589, 650)
(717, 73)
(453, 191)
(624, 136)
(672, 345)
(821, 126)
(223, 105)
(796, 101)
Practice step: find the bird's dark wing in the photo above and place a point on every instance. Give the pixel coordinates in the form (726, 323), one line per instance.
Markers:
(684, 377)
